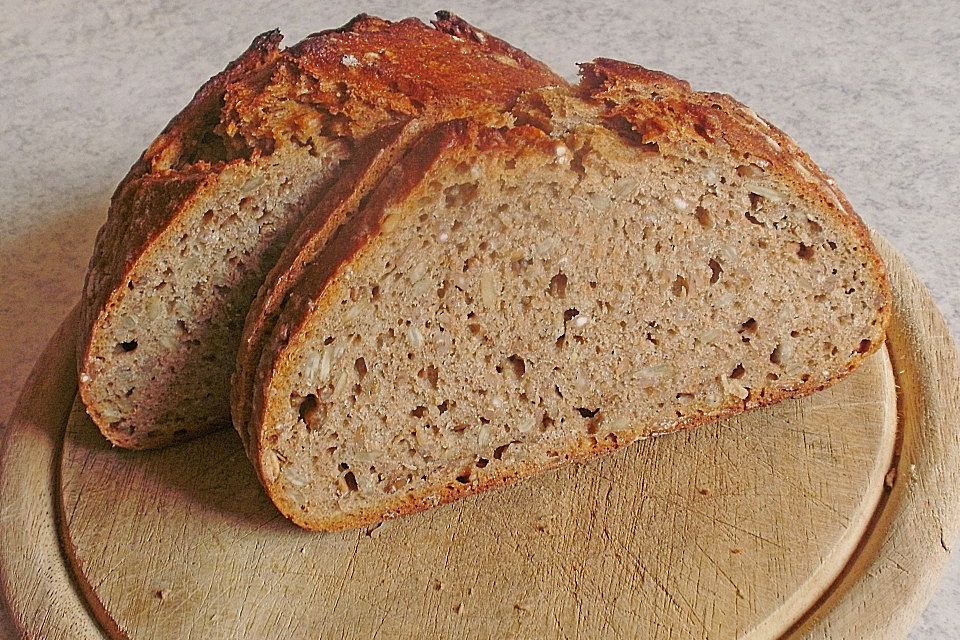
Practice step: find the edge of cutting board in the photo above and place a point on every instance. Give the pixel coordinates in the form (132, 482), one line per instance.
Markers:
(880, 593)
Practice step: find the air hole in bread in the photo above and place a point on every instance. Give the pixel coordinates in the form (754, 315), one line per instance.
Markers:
(419, 412)
(351, 481)
(518, 366)
(558, 285)
(776, 356)
(715, 270)
(679, 286)
(459, 195)
(748, 326)
(307, 408)
(703, 217)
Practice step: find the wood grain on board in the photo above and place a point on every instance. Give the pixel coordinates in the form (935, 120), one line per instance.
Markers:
(783, 521)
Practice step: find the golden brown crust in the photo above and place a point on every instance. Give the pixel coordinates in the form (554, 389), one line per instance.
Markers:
(353, 80)
(626, 94)
(345, 82)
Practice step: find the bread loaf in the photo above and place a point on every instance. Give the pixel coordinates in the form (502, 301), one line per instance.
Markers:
(206, 211)
(625, 259)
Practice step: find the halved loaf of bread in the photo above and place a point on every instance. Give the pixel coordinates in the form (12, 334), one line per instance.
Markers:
(630, 259)
(206, 211)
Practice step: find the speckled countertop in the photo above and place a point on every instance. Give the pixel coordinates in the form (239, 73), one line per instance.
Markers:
(869, 89)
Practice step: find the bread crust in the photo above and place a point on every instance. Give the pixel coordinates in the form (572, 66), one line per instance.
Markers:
(618, 90)
(339, 84)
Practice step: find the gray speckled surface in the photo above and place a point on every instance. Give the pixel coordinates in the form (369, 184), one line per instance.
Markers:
(870, 90)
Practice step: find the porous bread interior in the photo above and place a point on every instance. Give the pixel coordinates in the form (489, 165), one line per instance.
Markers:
(161, 368)
(517, 306)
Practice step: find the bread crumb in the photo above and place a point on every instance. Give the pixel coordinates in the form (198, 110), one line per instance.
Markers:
(458, 609)
(349, 60)
(890, 478)
(161, 594)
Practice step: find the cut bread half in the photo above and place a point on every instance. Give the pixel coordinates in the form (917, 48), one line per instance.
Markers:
(630, 259)
(204, 214)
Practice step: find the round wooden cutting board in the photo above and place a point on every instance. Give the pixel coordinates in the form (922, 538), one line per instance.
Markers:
(828, 517)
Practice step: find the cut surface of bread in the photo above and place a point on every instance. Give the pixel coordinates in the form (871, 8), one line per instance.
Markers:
(629, 259)
(370, 162)
(205, 213)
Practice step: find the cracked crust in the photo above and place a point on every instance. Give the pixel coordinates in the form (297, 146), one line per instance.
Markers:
(642, 107)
